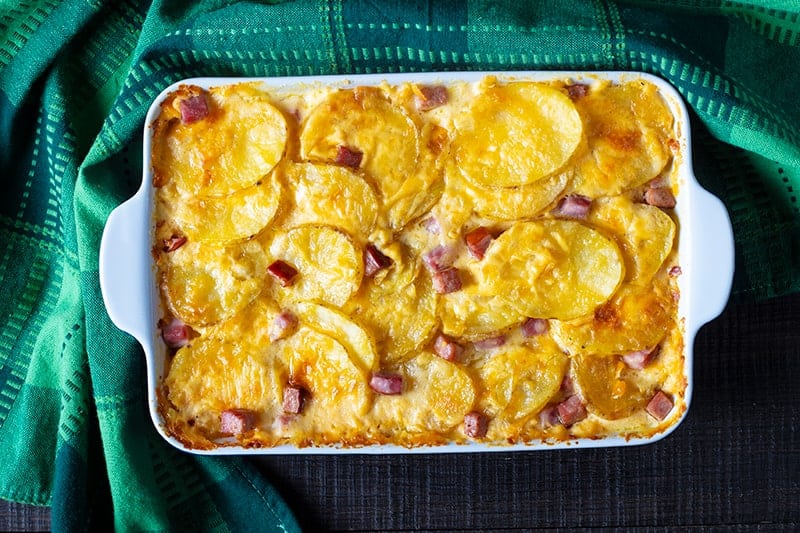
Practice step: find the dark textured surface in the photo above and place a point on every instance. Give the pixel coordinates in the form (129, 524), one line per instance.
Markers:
(734, 463)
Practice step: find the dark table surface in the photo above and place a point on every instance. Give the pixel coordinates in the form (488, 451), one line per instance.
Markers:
(733, 464)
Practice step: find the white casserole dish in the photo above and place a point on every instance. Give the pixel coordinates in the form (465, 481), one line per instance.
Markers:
(130, 291)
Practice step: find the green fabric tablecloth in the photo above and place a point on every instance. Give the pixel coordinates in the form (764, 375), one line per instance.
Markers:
(76, 78)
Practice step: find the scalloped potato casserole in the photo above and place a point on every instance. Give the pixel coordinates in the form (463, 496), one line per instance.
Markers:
(408, 264)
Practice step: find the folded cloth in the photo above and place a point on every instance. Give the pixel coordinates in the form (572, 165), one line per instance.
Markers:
(76, 79)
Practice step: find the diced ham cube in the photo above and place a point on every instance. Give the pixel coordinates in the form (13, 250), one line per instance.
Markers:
(548, 417)
(173, 243)
(293, 399)
(348, 157)
(574, 206)
(571, 410)
(478, 240)
(489, 343)
(660, 197)
(567, 385)
(284, 324)
(447, 348)
(660, 406)
(386, 383)
(175, 334)
(375, 260)
(283, 272)
(475, 425)
(447, 281)
(236, 421)
(534, 327)
(193, 109)
(439, 258)
(640, 359)
(576, 91)
(433, 96)
(675, 271)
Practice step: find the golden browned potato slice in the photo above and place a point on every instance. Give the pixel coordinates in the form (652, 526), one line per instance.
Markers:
(551, 268)
(239, 215)
(521, 379)
(364, 120)
(328, 263)
(402, 320)
(467, 313)
(514, 203)
(644, 233)
(436, 396)
(211, 375)
(421, 190)
(627, 128)
(251, 324)
(337, 388)
(515, 134)
(333, 195)
(336, 324)
(636, 318)
(239, 143)
(610, 388)
(206, 283)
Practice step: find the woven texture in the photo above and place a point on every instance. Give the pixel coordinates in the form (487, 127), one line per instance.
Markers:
(76, 79)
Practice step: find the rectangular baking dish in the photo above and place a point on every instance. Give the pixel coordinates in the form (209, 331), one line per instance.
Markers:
(130, 291)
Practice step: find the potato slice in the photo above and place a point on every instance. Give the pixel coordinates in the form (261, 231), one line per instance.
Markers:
(636, 318)
(336, 324)
(610, 388)
(644, 233)
(329, 264)
(363, 119)
(328, 194)
(625, 127)
(467, 313)
(337, 387)
(521, 379)
(240, 142)
(403, 320)
(514, 203)
(515, 134)
(551, 268)
(239, 215)
(206, 282)
(436, 396)
(213, 374)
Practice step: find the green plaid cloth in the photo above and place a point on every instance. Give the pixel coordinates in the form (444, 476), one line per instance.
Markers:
(76, 78)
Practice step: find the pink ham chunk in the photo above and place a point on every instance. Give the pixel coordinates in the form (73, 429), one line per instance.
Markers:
(534, 327)
(176, 334)
(193, 109)
(293, 399)
(347, 157)
(433, 96)
(386, 383)
(571, 410)
(660, 406)
(573, 206)
(447, 348)
(375, 260)
(284, 324)
(236, 421)
(475, 425)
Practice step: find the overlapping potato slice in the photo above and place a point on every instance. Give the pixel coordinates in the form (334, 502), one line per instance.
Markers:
(516, 133)
(328, 263)
(551, 268)
(241, 140)
(611, 389)
(472, 315)
(206, 282)
(333, 195)
(336, 324)
(364, 120)
(213, 374)
(436, 396)
(337, 388)
(626, 128)
(644, 233)
(521, 379)
(636, 318)
(422, 189)
(239, 215)
(514, 203)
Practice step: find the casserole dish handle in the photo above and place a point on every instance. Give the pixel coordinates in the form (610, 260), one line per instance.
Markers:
(125, 267)
(712, 256)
